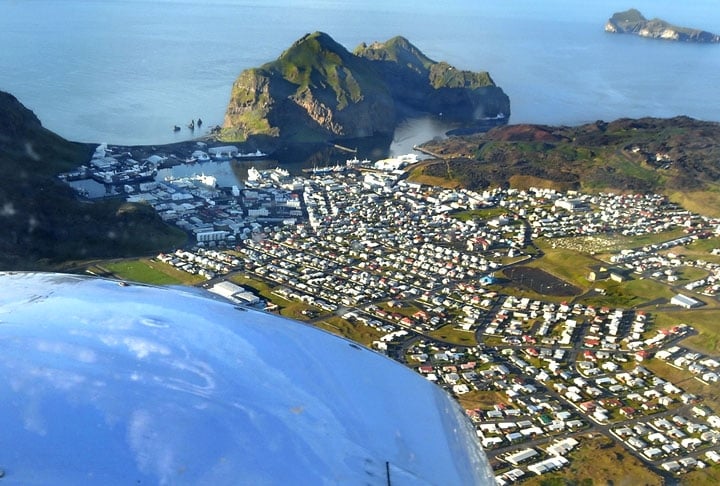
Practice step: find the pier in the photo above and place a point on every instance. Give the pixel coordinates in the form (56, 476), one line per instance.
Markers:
(427, 152)
(343, 148)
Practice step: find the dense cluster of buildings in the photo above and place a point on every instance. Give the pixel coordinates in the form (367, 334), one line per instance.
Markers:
(393, 255)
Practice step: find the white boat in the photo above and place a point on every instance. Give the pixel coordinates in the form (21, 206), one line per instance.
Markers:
(199, 156)
(252, 155)
(206, 180)
(254, 174)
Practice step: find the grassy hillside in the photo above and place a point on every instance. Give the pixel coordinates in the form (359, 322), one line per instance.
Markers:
(317, 91)
(43, 222)
(679, 157)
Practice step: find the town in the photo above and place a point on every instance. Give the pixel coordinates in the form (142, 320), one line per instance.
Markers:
(442, 280)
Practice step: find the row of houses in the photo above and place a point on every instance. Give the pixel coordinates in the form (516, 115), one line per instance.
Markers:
(367, 247)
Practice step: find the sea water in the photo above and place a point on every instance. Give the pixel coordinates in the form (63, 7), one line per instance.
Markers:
(127, 71)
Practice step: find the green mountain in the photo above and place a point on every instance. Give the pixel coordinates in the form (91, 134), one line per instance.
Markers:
(679, 157)
(43, 222)
(420, 85)
(319, 91)
(632, 22)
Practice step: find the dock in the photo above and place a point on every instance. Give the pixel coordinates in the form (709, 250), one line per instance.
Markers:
(343, 148)
(427, 152)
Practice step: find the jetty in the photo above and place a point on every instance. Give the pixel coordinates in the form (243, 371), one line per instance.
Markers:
(343, 148)
(427, 152)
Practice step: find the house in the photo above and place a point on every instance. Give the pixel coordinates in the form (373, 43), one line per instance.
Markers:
(628, 412)
(652, 452)
(521, 456)
(713, 456)
(685, 301)
(550, 464)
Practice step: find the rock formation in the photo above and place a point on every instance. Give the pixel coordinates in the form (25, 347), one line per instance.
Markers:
(319, 91)
(632, 22)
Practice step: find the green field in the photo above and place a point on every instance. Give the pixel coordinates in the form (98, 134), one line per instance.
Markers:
(630, 294)
(700, 250)
(703, 477)
(453, 335)
(569, 265)
(357, 332)
(705, 321)
(288, 308)
(481, 400)
(148, 271)
(599, 461)
(709, 394)
(482, 214)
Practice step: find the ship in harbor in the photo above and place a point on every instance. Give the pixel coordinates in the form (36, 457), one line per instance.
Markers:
(131, 176)
(227, 152)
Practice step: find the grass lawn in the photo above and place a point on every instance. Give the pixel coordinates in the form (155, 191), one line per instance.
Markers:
(456, 336)
(699, 250)
(357, 332)
(418, 176)
(481, 400)
(702, 202)
(570, 265)
(703, 477)
(705, 321)
(146, 270)
(631, 293)
(481, 214)
(599, 461)
(288, 308)
(691, 274)
(685, 380)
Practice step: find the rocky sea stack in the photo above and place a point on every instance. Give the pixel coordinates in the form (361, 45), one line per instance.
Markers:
(318, 91)
(632, 22)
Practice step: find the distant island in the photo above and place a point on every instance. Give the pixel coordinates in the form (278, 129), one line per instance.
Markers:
(318, 91)
(632, 22)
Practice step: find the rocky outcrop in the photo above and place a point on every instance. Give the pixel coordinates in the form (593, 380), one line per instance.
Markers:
(419, 84)
(319, 91)
(632, 22)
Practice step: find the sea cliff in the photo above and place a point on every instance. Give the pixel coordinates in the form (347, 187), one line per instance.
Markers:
(632, 22)
(319, 91)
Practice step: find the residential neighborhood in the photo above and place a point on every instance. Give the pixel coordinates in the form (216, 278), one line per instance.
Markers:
(414, 263)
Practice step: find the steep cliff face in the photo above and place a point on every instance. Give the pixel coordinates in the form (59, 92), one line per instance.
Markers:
(317, 90)
(419, 84)
(632, 22)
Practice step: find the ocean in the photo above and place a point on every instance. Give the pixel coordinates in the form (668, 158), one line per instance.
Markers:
(126, 71)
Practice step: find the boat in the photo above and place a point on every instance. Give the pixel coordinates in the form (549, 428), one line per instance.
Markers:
(328, 169)
(252, 155)
(254, 174)
(125, 177)
(199, 156)
(206, 180)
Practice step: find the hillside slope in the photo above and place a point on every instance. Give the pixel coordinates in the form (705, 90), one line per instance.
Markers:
(43, 222)
(318, 91)
(679, 157)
